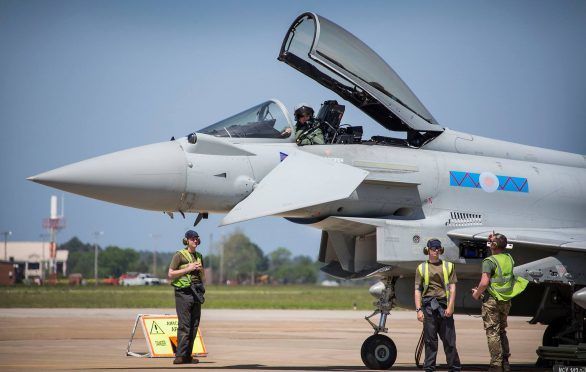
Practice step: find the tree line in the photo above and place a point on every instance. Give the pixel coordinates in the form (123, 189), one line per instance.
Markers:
(235, 259)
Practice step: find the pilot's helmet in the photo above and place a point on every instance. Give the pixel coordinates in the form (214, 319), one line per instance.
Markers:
(303, 109)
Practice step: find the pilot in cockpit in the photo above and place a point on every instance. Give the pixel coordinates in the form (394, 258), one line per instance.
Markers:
(307, 130)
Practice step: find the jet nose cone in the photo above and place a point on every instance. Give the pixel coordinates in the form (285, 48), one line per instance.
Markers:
(148, 177)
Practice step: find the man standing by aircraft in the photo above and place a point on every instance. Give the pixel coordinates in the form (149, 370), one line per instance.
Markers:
(435, 293)
(498, 279)
(307, 132)
(187, 272)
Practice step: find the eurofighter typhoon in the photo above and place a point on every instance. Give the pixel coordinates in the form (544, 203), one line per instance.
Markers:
(375, 200)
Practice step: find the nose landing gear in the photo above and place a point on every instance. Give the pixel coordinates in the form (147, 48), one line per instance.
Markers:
(379, 351)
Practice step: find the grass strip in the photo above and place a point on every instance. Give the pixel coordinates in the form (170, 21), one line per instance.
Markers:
(217, 297)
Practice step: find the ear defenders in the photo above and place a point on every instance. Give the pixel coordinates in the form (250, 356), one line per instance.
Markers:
(500, 240)
(184, 241)
(433, 243)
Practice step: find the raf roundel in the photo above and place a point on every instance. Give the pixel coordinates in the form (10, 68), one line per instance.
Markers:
(488, 182)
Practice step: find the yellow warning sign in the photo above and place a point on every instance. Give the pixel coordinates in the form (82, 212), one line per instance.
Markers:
(160, 332)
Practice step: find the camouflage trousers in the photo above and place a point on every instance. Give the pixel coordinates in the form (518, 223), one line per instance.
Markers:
(494, 315)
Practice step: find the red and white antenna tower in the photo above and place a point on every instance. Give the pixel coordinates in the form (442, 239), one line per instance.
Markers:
(53, 225)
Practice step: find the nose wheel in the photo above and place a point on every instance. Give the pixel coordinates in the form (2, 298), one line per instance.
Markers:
(378, 352)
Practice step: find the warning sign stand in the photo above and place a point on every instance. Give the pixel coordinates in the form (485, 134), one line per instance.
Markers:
(160, 333)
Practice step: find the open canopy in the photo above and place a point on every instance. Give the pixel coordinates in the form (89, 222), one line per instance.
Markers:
(341, 62)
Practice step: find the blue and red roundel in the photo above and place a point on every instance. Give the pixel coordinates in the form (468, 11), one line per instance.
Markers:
(488, 181)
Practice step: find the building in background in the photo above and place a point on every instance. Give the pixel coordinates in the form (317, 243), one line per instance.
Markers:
(8, 273)
(30, 260)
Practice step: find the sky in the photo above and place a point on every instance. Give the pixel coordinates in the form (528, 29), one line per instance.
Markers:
(84, 78)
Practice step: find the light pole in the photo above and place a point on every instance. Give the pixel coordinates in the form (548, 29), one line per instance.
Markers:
(97, 234)
(6, 235)
(223, 240)
(155, 237)
(211, 254)
(44, 237)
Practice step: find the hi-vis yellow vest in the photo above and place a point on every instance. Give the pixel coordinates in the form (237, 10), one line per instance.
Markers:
(447, 268)
(184, 281)
(503, 284)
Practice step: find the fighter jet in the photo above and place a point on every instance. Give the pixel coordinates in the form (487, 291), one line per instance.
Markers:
(376, 200)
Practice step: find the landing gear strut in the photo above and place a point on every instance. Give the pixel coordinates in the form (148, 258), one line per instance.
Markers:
(379, 351)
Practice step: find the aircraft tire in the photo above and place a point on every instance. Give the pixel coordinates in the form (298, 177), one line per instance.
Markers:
(378, 352)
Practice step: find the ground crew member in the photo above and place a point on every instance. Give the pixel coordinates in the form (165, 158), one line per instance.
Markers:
(187, 274)
(435, 293)
(501, 285)
(307, 131)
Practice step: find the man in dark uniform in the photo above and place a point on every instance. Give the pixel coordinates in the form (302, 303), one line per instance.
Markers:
(435, 294)
(187, 274)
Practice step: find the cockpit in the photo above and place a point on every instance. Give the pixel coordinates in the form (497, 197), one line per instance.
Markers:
(338, 60)
(270, 122)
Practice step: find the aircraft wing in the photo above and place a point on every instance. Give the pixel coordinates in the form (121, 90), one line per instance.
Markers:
(565, 239)
(301, 180)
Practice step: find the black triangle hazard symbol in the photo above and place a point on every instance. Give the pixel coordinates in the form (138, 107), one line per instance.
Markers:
(156, 330)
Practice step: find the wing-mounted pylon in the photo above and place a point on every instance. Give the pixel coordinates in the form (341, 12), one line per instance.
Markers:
(301, 180)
